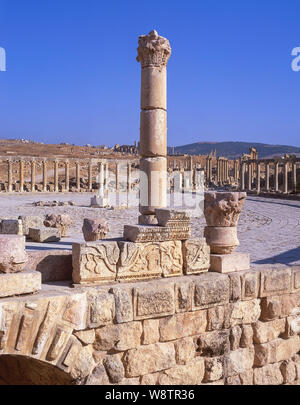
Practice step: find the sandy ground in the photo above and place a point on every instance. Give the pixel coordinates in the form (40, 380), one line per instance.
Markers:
(269, 229)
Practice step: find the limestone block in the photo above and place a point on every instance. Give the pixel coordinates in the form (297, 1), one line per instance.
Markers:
(153, 184)
(114, 368)
(190, 374)
(228, 263)
(86, 336)
(24, 282)
(169, 217)
(149, 359)
(212, 344)
(147, 220)
(196, 256)
(235, 337)
(12, 253)
(99, 201)
(276, 350)
(183, 295)
(83, 364)
(11, 227)
(266, 331)
(153, 88)
(123, 304)
(44, 234)
(222, 240)
(31, 221)
(150, 331)
(184, 350)
(214, 369)
(94, 229)
(98, 376)
(275, 282)
(288, 371)
(101, 308)
(244, 312)
(153, 300)
(268, 375)
(61, 221)
(247, 336)
(250, 281)
(239, 361)
(296, 278)
(153, 130)
(95, 262)
(216, 317)
(210, 289)
(223, 208)
(246, 377)
(152, 233)
(277, 306)
(182, 325)
(149, 260)
(119, 337)
(235, 287)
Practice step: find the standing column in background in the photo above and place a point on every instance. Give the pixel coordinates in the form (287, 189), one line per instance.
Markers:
(32, 175)
(67, 175)
(276, 173)
(44, 175)
(21, 175)
(153, 54)
(294, 177)
(218, 170)
(128, 184)
(9, 175)
(90, 176)
(210, 169)
(56, 176)
(258, 177)
(267, 176)
(78, 176)
(249, 176)
(285, 177)
(243, 172)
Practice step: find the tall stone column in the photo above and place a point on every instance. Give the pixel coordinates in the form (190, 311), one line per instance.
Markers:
(218, 170)
(210, 169)
(258, 177)
(56, 176)
(249, 176)
(285, 178)
(90, 178)
(44, 175)
(117, 176)
(78, 176)
(276, 172)
(207, 169)
(32, 176)
(243, 172)
(294, 177)
(9, 175)
(128, 183)
(267, 176)
(106, 177)
(153, 54)
(21, 175)
(67, 175)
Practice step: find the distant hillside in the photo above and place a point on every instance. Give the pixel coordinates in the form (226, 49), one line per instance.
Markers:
(234, 149)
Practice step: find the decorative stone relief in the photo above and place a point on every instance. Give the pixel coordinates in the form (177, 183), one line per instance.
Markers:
(196, 256)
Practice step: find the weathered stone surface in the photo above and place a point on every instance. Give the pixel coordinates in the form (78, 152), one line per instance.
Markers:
(54, 264)
(31, 221)
(222, 240)
(239, 361)
(190, 374)
(24, 282)
(98, 376)
(150, 331)
(184, 350)
(149, 359)
(247, 336)
(250, 284)
(266, 331)
(212, 344)
(123, 304)
(87, 337)
(101, 309)
(94, 229)
(100, 201)
(296, 278)
(210, 289)
(275, 282)
(214, 369)
(114, 368)
(169, 217)
(12, 253)
(44, 234)
(245, 312)
(216, 317)
(11, 227)
(152, 233)
(147, 220)
(235, 287)
(153, 129)
(181, 325)
(276, 350)
(246, 377)
(233, 380)
(223, 208)
(292, 325)
(119, 337)
(228, 263)
(196, 256)
(235, 337)
(76, 310)
(61, 221)
(183, 295)
(288, 371)
(95, 262)
(155, 300)
(149, 260)
(268, 375)
(149, 379)
(277, 306)
(84, 363)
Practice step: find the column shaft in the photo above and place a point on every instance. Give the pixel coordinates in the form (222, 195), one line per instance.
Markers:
(32, 175)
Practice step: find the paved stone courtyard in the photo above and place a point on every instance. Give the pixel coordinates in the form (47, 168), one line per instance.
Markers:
(269, 229)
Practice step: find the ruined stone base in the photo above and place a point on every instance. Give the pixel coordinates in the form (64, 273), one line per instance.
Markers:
(228, 263)
(147, 220)
(152, 233)
(44, 234)
(24, 282)
(99, 202)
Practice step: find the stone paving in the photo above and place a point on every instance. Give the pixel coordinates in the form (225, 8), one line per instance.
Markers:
(269, 229)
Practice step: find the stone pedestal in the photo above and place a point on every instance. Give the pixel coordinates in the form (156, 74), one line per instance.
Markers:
(99, 202)
(228, 263)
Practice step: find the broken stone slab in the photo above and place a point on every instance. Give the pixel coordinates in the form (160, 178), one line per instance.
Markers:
(99, 202)
(168, 217)
(44, 234)
(11, 227)
(236, 261)
(196, 256)
(149, 260)
(31, 221)
(95, 262)
(25, 282)
(61, 222)
(94, 229)
(12, 253)
(152, 233)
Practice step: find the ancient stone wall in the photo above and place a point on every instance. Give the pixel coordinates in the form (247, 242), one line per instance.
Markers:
(237, 328)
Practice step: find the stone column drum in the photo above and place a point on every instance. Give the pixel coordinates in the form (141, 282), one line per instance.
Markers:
(153, 54)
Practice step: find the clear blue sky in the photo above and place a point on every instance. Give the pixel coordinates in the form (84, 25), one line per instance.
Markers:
(72, 75)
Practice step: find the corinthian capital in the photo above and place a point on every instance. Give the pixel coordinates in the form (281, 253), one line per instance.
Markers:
(153, 50)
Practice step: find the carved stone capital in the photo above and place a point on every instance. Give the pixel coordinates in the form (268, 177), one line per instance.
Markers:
(153, 50)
